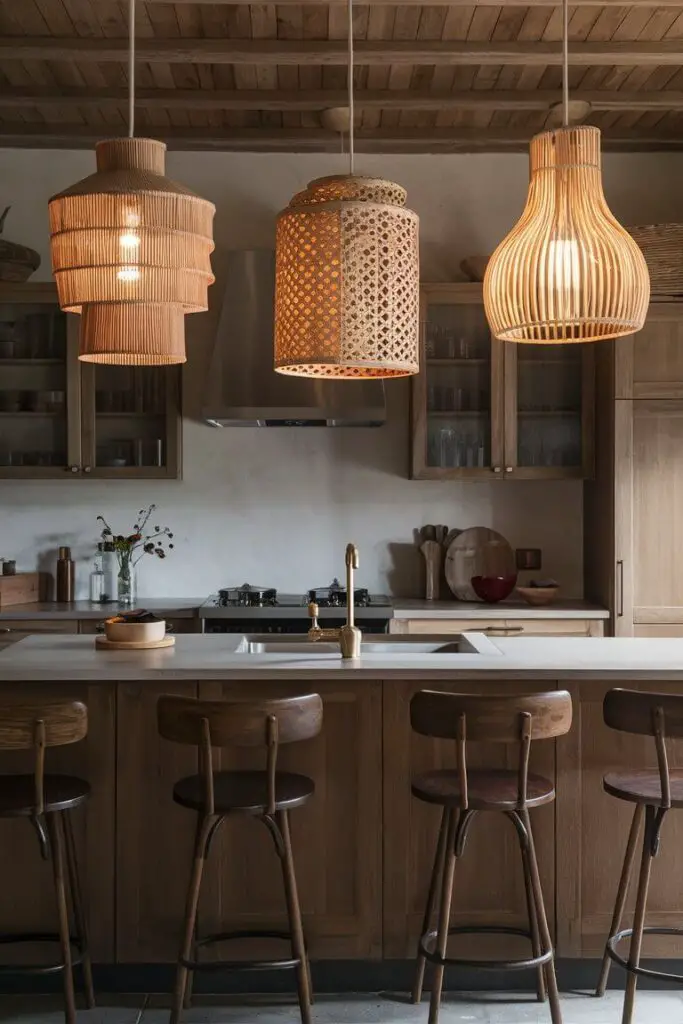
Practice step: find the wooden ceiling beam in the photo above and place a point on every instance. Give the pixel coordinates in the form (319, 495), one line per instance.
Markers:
(333, 52)
(317, 100)
(392, 140)
(429, 3)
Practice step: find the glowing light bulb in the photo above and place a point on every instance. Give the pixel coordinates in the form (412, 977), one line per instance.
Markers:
(128, 274)
(129, 240)
(564, 279)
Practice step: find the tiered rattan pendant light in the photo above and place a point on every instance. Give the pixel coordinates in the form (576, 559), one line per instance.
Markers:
(347, 276)
(568, 271)
(131, 251)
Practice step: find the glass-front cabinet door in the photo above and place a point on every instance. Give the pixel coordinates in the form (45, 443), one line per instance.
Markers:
(131, 421)
(549, 398)
(457, 397)
(39, 387)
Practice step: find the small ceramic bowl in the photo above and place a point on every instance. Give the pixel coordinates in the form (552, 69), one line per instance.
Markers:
(493, 588)
(134, 632)
(538, 596)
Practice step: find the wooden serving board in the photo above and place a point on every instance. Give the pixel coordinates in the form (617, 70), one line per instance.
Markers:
(477, 552)
(135, 645)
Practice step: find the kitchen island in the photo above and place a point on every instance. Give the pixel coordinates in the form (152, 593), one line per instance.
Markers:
(363, 845)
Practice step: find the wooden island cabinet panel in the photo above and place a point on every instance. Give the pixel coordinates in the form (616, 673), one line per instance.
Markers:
(154, 836)
(592, 829)
(27, 899)
(337, 836)
(489, 886)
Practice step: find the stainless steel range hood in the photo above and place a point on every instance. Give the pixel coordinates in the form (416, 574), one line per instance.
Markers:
(244, 390)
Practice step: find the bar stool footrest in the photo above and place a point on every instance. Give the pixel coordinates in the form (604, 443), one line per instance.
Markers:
(291, 963)
(10, 939)
(427, 941)
(642, 972)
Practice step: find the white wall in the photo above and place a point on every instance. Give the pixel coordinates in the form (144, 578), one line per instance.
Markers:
(276, 507)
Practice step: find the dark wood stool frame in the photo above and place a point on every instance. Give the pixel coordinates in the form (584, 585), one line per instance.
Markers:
(659, 715)
(38, 726)
(263, 723)
(487, 718)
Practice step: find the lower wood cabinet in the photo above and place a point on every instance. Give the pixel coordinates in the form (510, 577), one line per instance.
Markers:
(27, 899)
(592, 829)
(489, 887)
(501, 628)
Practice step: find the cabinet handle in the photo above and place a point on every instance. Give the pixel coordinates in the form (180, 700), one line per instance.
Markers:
(620, 588)
(494, 630)
(496, 469)
(508, 469)
(74, 469)
(87, 469)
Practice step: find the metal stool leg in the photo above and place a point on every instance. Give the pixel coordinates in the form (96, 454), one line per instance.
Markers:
(639, 917)
(294, 915)
(437, 870)
(622, 893)
(56, 831)
(80, 915)
(551, 980)
(532, 914)
(444, 915)
(190, 918)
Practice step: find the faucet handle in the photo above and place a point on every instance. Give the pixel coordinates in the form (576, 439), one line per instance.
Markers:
(352, 556)
(313, 611)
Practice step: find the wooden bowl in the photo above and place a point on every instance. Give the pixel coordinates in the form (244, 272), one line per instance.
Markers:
(538, 596)
(134, 632)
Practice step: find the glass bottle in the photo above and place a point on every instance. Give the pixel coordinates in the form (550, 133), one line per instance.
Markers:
(110, 568)
(97, 577)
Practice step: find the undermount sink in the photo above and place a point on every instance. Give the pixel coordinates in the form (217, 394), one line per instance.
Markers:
(386, 645)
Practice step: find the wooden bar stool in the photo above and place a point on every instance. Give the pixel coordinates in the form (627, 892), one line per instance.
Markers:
(654, 791)
(268, 795)
(463, 792)
(47, 801)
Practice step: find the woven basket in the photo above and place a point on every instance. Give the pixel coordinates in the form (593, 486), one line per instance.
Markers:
(662, 246)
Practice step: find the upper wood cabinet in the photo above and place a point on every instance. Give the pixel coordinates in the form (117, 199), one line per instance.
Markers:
(486, 409)
(650, 364)
(60, 416)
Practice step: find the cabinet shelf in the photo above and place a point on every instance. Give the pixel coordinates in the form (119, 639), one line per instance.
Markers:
(31, 362)
(30, 415)
(127, 415)
(457, 362)
(460, 414)
(545, 413)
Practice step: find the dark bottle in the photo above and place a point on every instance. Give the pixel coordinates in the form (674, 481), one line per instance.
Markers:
(65, 575)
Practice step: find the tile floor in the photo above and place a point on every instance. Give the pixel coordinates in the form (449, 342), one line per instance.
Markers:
(383, 1008)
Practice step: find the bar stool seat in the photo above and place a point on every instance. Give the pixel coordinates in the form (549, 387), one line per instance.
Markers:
(495, 790)
(644, 786)
(61, 793)
(245, 792)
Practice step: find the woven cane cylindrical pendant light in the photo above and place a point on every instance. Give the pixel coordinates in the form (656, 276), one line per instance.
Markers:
(568, 271)
(131, 252)
(347, 276)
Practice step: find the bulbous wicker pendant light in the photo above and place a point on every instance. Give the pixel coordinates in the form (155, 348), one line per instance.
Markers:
(347, 276)
(568, 271)
(131, 251)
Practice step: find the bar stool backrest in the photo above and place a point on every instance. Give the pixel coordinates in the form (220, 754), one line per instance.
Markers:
(40, 724)
(648, 714)
(492, 718)
(239, 723)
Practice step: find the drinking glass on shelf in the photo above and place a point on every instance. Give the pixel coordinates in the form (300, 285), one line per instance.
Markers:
(447, 447)
(430, 341)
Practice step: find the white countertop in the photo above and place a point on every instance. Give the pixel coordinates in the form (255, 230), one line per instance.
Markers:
(74, 658)
(409, 608)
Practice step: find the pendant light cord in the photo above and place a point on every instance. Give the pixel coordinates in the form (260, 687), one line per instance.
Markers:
(131, 68)
(565, 63)
(350, 84)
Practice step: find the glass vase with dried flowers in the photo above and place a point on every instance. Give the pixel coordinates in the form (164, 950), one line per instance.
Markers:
(130, 548)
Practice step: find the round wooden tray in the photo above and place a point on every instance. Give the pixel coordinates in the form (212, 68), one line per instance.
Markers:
(135, 645)
(477, 551)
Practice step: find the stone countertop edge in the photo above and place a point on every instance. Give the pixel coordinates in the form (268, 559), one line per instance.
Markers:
(182, 608)
(412, 608)
(68, 658)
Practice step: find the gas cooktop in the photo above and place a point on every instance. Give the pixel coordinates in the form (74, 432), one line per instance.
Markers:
(249, 601)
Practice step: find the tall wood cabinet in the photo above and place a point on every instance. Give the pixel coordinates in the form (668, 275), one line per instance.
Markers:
(484, 409)
(633, 555)
(60, 417)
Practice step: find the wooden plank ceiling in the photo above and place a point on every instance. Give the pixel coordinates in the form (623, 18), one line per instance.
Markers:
(429, 78)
